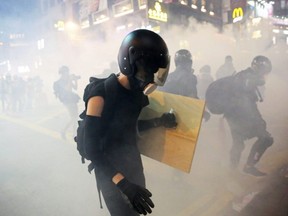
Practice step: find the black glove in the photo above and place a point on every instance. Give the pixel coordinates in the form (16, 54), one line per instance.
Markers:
(137, 195)
(168, 120)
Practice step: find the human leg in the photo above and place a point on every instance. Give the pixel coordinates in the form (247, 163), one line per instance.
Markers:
(259, 147)
(236, 149)
(72, 122)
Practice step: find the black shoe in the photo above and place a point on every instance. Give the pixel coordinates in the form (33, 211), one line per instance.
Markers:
(253, 171)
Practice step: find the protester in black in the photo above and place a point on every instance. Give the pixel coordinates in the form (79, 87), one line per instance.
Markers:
(226, 69)
(244, 118)
(204, 80)
(183, 81)
(64, 90)
(110, 134)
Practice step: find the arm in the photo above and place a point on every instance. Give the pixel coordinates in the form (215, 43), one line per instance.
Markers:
(74, 84)
(92, 136)
(138, 196)
(167, 120)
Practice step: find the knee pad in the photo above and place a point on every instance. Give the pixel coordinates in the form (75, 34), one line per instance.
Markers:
(267, 141)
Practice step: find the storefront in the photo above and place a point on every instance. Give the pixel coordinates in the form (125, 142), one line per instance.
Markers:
(130, 14)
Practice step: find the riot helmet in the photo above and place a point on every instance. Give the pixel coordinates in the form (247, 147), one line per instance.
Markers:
(144, 58)
(206, 69)
(228, 59)
(183, 57)
(63, 70)
(261, 64)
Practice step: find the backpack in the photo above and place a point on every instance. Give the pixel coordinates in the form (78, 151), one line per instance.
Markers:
(110, 84)
(219, 95)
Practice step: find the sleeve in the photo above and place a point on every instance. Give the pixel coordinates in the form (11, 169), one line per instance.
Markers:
(94, 147)
(92, 90)
(143, 125)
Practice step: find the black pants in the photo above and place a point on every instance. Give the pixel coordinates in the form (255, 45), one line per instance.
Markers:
(240, 134)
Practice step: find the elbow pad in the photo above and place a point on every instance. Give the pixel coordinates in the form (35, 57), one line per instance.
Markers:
(92, 136)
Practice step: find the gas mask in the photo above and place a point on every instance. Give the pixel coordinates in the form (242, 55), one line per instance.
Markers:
(146, 79)
(150, 71)
(259, 77)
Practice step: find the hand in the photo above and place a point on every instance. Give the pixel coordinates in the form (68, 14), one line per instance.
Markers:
(138, 196)
(168, 120)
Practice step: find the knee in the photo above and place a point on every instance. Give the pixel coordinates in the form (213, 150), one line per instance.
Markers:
(267, 141)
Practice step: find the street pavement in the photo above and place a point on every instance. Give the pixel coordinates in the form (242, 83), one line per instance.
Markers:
(41, 174)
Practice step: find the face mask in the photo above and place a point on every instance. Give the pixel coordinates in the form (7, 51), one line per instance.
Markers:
(149, 75)
(149, 88)
(151, 84)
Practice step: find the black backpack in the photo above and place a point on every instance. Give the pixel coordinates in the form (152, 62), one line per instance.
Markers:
(219, 95)
(110, 92)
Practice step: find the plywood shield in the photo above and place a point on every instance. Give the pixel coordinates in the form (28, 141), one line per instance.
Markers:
(174, 147)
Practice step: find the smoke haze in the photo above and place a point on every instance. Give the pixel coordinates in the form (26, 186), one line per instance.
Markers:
(42, 175)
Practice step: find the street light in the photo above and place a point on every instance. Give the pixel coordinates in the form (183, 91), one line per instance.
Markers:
(71, 26)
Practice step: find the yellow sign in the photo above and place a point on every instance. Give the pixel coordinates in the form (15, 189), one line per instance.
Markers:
(60, 25)
(157, 13)
(237, 14)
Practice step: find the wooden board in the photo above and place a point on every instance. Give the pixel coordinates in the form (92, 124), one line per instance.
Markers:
(174, 147)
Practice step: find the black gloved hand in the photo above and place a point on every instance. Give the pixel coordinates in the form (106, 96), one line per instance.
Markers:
(137, 195)
(168, 120)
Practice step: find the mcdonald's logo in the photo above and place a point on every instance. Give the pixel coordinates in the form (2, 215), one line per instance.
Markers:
(237, 14)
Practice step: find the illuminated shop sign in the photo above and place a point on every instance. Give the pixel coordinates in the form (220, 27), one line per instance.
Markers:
(157, 11)
(237, 10)
(142, 4)
(60, 25)
(123, 8)
(237, 14)
(100, 17)
(91, 8)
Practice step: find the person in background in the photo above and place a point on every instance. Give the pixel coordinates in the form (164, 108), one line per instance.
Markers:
(64, 89)
(183, 81)
(204, 80)
(18, 93)
(244, 118)
(227, 69)
(3, 93)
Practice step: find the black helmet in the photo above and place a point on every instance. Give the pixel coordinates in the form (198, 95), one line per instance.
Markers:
(261, 64)
(144, 50)
(228, 58)
(206, 69)
(183, 57)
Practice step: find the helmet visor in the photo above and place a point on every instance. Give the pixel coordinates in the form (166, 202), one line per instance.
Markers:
(161, 75)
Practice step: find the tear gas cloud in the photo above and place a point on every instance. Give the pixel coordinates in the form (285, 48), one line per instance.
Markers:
(173, 191)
